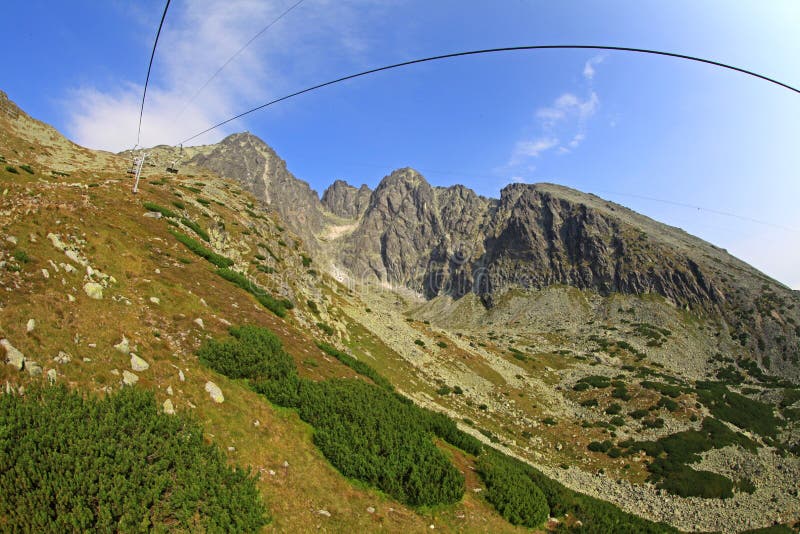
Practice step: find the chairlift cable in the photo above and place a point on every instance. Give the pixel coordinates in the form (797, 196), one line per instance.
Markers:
(489, 51)
(149, 67)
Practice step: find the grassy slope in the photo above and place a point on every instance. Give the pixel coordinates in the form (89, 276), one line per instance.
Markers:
(124, 244)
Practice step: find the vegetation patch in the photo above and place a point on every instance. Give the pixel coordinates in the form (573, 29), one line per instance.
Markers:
(671, 454)
(278, 307)
(196, 228)
(735, 408)
(367, 432)
(196, 247)
(166, 212)
(115, 464)
(511, 491)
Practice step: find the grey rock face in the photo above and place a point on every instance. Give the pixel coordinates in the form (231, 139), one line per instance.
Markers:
(344, 200)
(248, 160)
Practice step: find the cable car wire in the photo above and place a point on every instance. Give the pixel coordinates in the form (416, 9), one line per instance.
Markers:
(490, 51)
(149, 67)
(234, 56)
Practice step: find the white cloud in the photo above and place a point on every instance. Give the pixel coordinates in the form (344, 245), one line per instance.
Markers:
(589, 67)
(198, 37)
(536, 147)
(566, 117)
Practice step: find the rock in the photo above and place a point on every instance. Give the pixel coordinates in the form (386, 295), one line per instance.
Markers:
(370, 509)
(70, 298)
(45, 274)
(129, 378)
(231, 449)
(215, 393)
(87, 360)
(11, 239)
(94, 290)
(256, 423)
(30, 326)
(285, 464)
(14, 357)
(169, 409)
(62, 357)
(344, 200)
(138, 364)
(153, 215)
(33, 368)
(123, 346)
(155, 300)
(180, 376)
(199, 322)
(324, 513)
(169, 390)
(52, 375)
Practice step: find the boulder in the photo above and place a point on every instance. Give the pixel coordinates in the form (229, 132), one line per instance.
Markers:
(169, 409)
(52, 375)
(14, 357)
(33, 368)
(30, 326)
(138, 364)
(123, 346)
(93, 290)
(129, 378)
(62, 357)
(215, 393)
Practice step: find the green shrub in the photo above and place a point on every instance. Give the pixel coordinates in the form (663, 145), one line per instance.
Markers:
(325, 327)
(251, 352)
(192, 244)
(665, 389)
(203, 201)
(419, 342)
(639, 414)
(588, 403)
(312, 306)
(178, 204)
(260, 257)
(356, 365)
(511, 491)
(735, 408)
(596, 381)
(27, 168)
(115, 464)
(613, 409)
(195, 228)
(441, 344)
(278, 307)
(600, 446)
(306, 260)
(21, 256)
(11, 169)
(166, 212)
(444, 390)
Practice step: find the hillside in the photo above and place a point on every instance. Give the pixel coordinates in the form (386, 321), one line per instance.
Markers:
(584, 382)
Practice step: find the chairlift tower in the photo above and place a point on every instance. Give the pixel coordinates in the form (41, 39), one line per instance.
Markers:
(139, 172)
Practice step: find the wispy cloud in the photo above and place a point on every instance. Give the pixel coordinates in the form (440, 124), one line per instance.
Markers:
(199, 36)
(589, 66)
(566, 118)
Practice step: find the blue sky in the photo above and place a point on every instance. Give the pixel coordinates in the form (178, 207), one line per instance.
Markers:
(659, 135)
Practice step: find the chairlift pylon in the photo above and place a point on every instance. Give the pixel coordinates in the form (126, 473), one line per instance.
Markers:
(134, 160)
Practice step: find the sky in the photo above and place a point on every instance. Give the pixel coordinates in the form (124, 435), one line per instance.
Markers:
(712, 151)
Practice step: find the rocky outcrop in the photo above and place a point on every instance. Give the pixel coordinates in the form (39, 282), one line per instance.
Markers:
(250, 161)
(344, 200)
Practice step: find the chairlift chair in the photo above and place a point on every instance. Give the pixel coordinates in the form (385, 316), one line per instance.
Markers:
(173, 167)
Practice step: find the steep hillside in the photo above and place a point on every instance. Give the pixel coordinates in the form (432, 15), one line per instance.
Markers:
(592, 388)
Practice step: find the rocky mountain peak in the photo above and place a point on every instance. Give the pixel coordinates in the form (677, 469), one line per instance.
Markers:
(344, 200)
